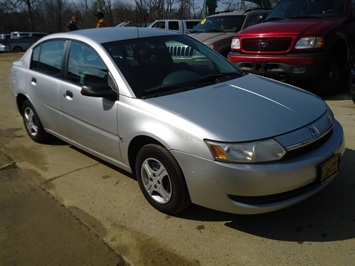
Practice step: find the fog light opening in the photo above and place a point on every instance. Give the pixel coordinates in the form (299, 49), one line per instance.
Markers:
(299, 70)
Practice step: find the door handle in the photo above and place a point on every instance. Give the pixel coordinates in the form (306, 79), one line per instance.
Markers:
(68, 95)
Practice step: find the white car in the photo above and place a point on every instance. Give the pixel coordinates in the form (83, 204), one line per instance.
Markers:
(190, 126)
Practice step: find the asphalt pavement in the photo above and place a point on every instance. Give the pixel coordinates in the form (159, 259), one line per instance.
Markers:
(35, 229)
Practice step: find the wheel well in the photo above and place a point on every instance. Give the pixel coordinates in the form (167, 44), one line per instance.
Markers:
(17, 48)
(136, 144)
(20, 99)
(225, 53)
(340, 48)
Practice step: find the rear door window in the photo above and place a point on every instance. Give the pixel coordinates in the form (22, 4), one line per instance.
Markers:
(47, 57)
(173, 25)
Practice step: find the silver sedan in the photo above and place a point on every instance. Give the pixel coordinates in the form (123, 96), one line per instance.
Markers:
(190, 126)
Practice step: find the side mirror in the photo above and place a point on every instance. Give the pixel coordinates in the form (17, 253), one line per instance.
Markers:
(99, 90)
(260, 19)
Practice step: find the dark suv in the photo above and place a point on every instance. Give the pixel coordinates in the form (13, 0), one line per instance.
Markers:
(218, 30)
(352, 88)
(310, 40)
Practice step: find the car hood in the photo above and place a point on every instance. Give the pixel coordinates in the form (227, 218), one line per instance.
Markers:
(247, 108)
(211, 37)
(292, 27)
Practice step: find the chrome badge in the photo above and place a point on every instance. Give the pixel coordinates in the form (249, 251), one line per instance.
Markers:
(313, 130)
(263, 45)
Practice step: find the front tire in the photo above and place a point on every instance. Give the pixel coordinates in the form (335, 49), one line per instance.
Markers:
(331, 74)
(32, 123)
(161, 180)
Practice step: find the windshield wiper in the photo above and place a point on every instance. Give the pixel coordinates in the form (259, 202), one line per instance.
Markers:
(206, 80)
(165, 90)
(214, 30)
(273, 19)
(218, 77)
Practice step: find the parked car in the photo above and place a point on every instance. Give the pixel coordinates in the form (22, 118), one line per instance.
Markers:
(189, 125)
(217, 31)
(3, 41)
(20, 41)
(19, 34)
(4, 36)
(300, 40)
(179, 25)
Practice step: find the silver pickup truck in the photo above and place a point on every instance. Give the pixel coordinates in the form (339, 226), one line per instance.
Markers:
(183, 26)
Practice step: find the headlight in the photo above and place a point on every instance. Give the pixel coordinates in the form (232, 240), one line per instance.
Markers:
(235, 44)
(247, 152)
(310, 42)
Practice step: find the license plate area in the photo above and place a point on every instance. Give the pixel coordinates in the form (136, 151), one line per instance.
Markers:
(329, 168)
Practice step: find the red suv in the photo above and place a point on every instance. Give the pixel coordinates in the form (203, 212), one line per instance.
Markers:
(301, 39)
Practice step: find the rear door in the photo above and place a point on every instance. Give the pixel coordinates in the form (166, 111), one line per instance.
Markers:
(43, 84)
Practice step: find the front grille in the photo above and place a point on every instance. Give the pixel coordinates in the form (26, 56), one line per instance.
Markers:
(181, 51)
(308, 148)
(267, 44)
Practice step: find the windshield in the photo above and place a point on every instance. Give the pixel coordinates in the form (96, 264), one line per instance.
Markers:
(220, 24)
(169, 64)
(287, 9)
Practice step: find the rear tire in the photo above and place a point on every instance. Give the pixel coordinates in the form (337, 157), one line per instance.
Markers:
(32, 123)
(332, 74)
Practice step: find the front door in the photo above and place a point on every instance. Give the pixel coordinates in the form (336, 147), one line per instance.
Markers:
(91, 121)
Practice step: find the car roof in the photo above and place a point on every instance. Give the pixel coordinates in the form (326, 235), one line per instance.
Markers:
(27, 32)
(170, 19)
(110, 34)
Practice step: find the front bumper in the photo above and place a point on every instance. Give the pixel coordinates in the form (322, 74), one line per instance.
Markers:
(219, 186)
(280, 67)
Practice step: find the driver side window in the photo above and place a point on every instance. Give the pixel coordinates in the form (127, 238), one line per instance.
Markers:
(85, 67)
